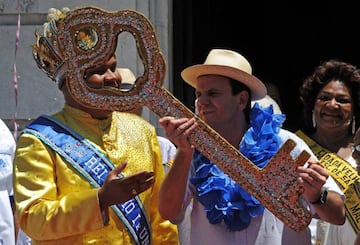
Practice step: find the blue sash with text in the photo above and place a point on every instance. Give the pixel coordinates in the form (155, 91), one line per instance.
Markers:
(94, 166)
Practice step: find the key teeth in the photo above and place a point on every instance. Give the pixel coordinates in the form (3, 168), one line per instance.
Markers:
(288, 146)
(288, 192)
(302, 158)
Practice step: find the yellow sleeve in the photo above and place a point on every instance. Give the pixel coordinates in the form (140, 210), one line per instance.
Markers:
(49, 195)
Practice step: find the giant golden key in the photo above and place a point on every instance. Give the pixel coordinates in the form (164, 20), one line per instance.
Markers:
(88, 37)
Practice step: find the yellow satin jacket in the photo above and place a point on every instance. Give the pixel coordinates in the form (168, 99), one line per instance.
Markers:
(57, 205)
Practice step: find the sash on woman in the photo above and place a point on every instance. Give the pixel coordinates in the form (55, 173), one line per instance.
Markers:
(94, 167)
(345, 175)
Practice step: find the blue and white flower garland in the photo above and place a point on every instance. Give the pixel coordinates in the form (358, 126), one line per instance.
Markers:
(223, 198)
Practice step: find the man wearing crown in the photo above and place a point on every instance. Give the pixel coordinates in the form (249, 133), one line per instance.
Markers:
(88, 175)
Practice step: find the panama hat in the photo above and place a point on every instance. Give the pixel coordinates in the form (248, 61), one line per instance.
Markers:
(226, 63)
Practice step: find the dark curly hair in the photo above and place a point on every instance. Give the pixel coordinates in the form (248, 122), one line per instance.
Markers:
(324, 73)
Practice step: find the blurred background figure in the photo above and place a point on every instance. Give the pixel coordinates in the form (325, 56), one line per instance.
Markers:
(274, 92)
(7, 209)
(266, 102)
(356, 156)
(356, 150)
(9, 227)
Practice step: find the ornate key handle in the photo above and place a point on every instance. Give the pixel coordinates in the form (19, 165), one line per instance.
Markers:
(88, 37)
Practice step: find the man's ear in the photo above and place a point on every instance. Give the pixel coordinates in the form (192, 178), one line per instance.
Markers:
(242, 99)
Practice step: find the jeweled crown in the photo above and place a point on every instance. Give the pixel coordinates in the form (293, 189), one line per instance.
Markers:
(45, 50)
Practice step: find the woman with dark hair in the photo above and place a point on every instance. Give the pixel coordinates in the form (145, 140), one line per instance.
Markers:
(331, 102)
(327, 72)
